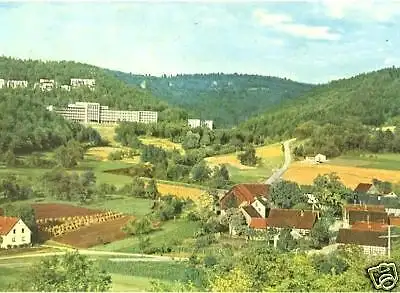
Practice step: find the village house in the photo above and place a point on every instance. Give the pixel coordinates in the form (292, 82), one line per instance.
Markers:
(371, 241)
(366, 188)
(319, 158)
(242, 195)
(14, 232)
(364, 213)
(2, 83)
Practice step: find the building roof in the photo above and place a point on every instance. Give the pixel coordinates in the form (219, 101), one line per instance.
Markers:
(6, 224)
(361, 237)
(262, 200)
(290, 218)
(368, 216)
(363, 187)
(395, 221)
(258, 223)
(358, 207)
(251, 211)
(372, 226)
(247, 192)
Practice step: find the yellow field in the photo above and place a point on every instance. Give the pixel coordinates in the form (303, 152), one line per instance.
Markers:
(351, 176)
(162, 143)
(180, 191)
(101, 154)
(264, 152)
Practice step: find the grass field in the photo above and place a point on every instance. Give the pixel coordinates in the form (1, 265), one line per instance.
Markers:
(106, 132)
(304, 173)
(271, 158)
(162, 143)
(373, 161)
(171, 231)
(126, 276)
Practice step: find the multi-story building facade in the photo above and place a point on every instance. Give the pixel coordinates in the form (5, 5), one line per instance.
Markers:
(16, 84)
(193, 123)
(79, 82)
(46, 84)
(95, 113)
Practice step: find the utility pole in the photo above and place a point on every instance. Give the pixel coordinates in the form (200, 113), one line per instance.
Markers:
(389, 236)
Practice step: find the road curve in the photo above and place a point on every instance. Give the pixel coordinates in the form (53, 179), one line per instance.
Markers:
(288, 158)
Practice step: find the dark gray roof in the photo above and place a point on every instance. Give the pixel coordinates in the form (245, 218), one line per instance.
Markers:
(251, 211)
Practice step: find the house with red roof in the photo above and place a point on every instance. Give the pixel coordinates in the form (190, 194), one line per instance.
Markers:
(14, 232)
(243, 194)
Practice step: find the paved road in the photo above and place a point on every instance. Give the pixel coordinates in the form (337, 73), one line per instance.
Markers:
(125, 256)
(288, 158)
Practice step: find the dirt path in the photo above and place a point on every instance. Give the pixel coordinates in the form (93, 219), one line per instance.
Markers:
(288, 158)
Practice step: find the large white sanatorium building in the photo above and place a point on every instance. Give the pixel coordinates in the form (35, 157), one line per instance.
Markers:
(95, 113)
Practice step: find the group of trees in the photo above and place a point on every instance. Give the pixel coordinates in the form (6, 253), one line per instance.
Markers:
(339, 116)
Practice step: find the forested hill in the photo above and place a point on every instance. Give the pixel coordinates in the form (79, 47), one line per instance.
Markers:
(339, 116)
(26, 125)
(228, 99)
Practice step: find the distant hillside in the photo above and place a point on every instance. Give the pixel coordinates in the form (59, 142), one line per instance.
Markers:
(228, 99)
(342, 115)
(26, 125)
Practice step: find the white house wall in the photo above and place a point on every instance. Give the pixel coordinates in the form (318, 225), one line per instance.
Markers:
(18, 235)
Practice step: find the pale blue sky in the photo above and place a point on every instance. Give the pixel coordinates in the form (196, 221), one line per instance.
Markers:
(304, 41)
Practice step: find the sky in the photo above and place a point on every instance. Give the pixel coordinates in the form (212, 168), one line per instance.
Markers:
(312, 42)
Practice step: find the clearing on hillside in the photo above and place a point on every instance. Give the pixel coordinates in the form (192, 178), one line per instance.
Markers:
(56, 210)
(95, 234)
(265, 153)
(162, 143)
(350, 176)
(106, 131)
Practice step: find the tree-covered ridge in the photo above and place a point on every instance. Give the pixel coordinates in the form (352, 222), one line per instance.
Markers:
(341, 115)
(225, 98)
(110, 91)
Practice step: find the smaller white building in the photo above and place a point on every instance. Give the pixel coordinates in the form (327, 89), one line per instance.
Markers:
(66, 87)
(17, 84)
(80, 82)
(193, 123)
(2, 83)
(14, 232)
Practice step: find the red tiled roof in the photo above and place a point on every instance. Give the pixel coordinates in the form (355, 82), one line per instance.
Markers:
(359, 237)
(6, 224)
(290, 218)
(363, 187)
(357, 207)
(371, 226)
(246, 192)
(258, 223)
(395, 221)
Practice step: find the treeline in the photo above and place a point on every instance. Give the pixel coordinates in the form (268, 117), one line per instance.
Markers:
(212, 142)
(341, 109)
(333, 140)
(228, 99)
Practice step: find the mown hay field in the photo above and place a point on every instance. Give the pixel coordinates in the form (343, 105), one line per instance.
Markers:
(265, 153)
(303, 173)
(95, 234)
(106, 131)
(182, 192)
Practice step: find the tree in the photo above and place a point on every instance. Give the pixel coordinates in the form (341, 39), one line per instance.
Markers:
(151, 189)
(248, 157)
(200, 172)
(67, 273)
(286, 194)
(320, 234)
(10, 159)
(138, 226)
(286, 241)
(220, 177)
(233, 281)
(138, 189)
